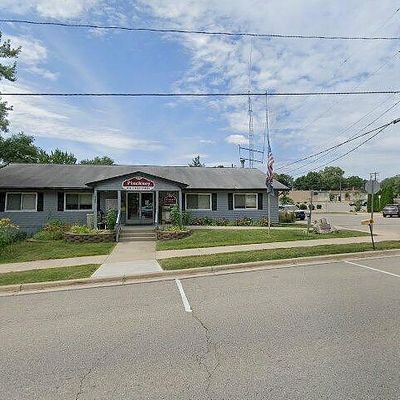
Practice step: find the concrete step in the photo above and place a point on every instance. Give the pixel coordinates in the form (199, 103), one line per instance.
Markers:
(137, 239)
(133, 228)
(134, 234)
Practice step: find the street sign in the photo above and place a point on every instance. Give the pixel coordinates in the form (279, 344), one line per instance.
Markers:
(367, 221)
(372, 187)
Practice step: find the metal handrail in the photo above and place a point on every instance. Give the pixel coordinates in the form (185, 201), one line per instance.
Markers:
(118, 226)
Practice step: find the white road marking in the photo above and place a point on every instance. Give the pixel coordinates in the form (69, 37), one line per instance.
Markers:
(372, 269)
(185, 301)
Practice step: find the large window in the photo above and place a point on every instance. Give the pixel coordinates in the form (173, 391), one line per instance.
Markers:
(21, 202)
(197, 201)
(245, 201)
(78, 201)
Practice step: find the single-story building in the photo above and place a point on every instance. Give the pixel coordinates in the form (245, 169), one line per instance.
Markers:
(32, 194)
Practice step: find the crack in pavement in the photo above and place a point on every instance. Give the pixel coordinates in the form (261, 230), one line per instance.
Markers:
(84, 376)
(211, 350)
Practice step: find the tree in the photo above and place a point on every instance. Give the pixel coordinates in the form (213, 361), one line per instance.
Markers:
(196, 162)
(331, 178)
(18, 148)
(7, 71)
(105, 160)
(56, 156)
(354, 182)
(311, 181)
(394, 181)
(285, 179)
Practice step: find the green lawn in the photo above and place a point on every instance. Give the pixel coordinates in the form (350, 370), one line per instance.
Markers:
(276, 254)
(31, 251)
(49, 274)
(227, 237)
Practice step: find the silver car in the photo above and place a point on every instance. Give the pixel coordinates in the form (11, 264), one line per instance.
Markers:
(391, 210)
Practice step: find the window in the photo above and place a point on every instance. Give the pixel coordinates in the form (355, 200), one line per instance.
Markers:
(21, 202)
(78, 201)
(196, 201)
(245, 201)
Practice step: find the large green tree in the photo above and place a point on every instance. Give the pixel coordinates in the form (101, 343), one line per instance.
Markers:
(18, 148)
(331, 178)
(7, 71)
(105, 160)
(354, 182)
(311, 181)
(56, 156)
(285, 179)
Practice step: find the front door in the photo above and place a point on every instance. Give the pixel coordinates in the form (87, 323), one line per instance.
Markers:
(140, 208)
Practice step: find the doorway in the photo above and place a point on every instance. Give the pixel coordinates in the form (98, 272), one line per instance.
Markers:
(140, 208)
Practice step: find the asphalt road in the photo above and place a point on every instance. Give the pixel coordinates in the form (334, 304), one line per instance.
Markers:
(328, 331)
(388, 226)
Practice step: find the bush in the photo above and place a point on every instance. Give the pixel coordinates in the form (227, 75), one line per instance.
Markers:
(186, 218)
(52, 230)
(245, 221)
(9, 232)
(82, 230)
(221, 222)
(176, 216)
(319, 206)
(262, 221)
(111, 218)
(202, 221)
(303, 206)
(286, 217)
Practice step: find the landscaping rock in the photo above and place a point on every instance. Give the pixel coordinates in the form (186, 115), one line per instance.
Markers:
(90, 238)
(322, 226)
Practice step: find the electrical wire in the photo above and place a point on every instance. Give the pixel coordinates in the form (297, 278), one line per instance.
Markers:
(197, 32)
(199, 94)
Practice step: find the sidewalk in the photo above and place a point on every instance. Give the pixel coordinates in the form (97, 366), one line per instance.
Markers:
(265, 246)
(53, 263)
(129, 258)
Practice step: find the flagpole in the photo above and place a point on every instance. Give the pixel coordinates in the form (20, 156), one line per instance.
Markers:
(269, 187)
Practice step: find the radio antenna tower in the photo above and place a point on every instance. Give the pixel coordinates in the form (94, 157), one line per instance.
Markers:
(250, 112)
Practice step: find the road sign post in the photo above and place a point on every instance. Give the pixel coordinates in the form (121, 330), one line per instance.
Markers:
(372, 187)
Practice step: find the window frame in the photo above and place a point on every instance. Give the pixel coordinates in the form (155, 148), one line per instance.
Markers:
(78, 210)
(198, 209)
(245, 208)
(21, 210)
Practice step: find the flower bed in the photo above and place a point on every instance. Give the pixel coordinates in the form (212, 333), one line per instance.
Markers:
(99, 237)
(172, 234)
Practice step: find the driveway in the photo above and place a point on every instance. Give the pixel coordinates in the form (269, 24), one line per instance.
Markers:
(384, 226)
(328, 331)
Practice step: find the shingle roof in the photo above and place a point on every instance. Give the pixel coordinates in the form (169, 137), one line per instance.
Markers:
(78, 176)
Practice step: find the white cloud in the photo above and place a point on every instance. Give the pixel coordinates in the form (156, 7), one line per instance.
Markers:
(299, 126)
(237, 139)
(206, 141)
(50, 8)
(55, 119)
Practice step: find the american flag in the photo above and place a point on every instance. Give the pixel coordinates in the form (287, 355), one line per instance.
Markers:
(270, 169)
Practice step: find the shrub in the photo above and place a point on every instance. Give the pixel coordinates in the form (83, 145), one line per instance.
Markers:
(176, 216)
(111, 218)
(303, 206)
(319, 206)
(221, 222)
(9, 232)
(262, 221)
(82, 230)
(202, 221)
(286, 217)
(52, 230)
(186, 218)
(245, 221)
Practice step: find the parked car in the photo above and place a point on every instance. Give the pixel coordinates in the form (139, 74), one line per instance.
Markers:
(390, 210)
(299, 214)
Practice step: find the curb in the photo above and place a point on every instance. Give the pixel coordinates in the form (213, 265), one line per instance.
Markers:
(86, 283)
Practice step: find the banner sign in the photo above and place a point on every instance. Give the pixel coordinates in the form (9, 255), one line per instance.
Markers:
(138, 183)
(169, 200)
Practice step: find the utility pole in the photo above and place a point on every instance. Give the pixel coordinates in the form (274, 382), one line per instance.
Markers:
(373, 178)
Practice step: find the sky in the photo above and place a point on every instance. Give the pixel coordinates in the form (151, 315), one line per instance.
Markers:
(171, 131)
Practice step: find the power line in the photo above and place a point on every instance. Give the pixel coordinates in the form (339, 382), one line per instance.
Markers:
(341, 143)
(198, 32)
(237, 94)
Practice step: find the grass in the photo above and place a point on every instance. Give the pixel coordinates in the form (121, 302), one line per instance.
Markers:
(213, 237)
(49, 274)
(275, 254)
(32, 251)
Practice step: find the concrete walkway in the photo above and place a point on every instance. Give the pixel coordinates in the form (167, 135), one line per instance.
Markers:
(265, 246)
(54, 263)
(129, 258)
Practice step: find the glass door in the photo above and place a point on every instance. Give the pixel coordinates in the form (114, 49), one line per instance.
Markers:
(132, 208)
(147, 208)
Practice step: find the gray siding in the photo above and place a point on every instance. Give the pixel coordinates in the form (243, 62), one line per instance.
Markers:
(32, 221)
(224, 212)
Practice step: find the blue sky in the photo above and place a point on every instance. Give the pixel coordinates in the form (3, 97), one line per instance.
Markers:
(172, 131)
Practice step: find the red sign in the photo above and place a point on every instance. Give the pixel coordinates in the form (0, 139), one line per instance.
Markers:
(169, 200)
(138, 183)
